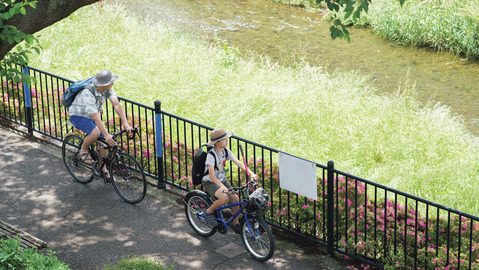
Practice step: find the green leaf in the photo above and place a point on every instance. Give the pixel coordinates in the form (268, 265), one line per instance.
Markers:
(334, 31)
(401, 2)
(333, 6)
(348, 10)
(29, 39)
(365, 5)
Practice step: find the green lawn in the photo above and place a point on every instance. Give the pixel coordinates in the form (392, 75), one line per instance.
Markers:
(394, 140)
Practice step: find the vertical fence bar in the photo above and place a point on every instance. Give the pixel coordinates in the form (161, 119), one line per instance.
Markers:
(159, 145)
(330, 214)
(28, 101)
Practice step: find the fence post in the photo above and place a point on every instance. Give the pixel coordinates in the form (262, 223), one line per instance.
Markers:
(27, 97)
(159, 145)
(330, 209)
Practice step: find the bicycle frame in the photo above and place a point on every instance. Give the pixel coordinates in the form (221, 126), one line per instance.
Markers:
(111, 151)
(242, 204)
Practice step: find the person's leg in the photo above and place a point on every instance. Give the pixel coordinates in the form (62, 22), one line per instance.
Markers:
(89, 127)
(233, 198)
(221, 199)
(90, 139)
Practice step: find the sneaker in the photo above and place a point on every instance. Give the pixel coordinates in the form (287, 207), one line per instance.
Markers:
(209, 219)
(236, 228)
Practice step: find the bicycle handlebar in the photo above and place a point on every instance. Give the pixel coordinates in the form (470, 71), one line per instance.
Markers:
(134, 131)
(240, 188)
(121, 132)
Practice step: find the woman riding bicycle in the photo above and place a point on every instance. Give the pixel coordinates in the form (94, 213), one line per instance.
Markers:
(214, 181)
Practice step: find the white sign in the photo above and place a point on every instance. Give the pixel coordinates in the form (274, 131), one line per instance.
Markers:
(298, 175)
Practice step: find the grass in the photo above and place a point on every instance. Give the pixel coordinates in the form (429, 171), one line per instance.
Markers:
(420, 149)
(451, 25)
(445, 25)
(12, 256)
(137, 263)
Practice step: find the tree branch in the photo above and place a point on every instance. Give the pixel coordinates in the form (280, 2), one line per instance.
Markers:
(47, 13)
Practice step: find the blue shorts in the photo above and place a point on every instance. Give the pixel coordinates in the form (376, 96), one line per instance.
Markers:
(84, 124)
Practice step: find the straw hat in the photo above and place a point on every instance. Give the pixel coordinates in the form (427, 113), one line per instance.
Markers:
(218, 134)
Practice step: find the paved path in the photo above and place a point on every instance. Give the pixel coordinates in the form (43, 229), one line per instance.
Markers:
(89, 226)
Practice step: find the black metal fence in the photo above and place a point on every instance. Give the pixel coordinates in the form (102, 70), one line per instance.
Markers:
(351, 216)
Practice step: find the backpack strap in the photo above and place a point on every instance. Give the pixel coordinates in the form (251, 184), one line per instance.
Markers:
(91, 87)
(214, 156)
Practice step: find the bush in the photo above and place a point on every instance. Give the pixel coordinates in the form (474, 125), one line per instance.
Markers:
(12, 256)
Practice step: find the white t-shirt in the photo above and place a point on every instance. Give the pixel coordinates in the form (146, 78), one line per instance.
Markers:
(221, 159)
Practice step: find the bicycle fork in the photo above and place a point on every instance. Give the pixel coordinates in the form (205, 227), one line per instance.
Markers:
(253, 227)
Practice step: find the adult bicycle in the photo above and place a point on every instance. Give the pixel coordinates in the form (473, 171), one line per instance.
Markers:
(116, 167)
(255, 233)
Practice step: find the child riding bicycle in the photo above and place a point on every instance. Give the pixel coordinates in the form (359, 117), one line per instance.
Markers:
(215, 182)
(86, 109)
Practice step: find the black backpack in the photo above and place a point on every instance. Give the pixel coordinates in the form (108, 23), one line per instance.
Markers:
(198, 170)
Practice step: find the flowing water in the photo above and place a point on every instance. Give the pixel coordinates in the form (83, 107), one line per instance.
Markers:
(288, 35)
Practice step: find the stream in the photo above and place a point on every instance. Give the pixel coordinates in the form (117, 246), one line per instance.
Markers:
(288, 35)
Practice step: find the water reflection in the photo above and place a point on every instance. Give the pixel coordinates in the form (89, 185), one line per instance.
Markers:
(288, 34)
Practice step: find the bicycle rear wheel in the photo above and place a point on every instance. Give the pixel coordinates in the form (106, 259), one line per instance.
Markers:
(80, 171)
(196, 202)
(128, 178)
(257, 238)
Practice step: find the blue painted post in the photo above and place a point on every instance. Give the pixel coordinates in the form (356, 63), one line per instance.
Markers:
(159, 146)
(330, 209)
(27, 97)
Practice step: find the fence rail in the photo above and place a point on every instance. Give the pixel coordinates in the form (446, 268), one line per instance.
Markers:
(352, 216)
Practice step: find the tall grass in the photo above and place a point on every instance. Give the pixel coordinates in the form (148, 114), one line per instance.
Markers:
(445, 25)
(451, 25)
(420, 149)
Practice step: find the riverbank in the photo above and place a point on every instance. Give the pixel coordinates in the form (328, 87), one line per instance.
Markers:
(451, 26)
(392, 139)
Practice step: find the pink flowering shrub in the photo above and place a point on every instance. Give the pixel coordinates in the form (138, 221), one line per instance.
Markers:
(48, 114)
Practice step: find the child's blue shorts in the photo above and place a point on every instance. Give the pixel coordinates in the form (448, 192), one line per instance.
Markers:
(84, 124)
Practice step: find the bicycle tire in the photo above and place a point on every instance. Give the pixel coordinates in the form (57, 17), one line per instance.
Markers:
(80, 171)
(257, 238)
(128, 178)
(197, 201)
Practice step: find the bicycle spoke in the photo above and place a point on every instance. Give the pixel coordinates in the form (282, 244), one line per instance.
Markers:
(128, 178)
(258, 239)
(195, 204)
(80, 171)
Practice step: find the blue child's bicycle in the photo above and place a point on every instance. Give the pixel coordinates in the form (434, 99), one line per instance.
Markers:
(255, 232)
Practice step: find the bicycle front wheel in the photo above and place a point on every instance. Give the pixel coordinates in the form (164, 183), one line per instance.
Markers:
(257, 238)
(80, 171)
(128, 178)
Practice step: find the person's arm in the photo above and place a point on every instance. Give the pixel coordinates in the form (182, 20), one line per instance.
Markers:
(242, 166)
(101, 126)
(119, 110)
